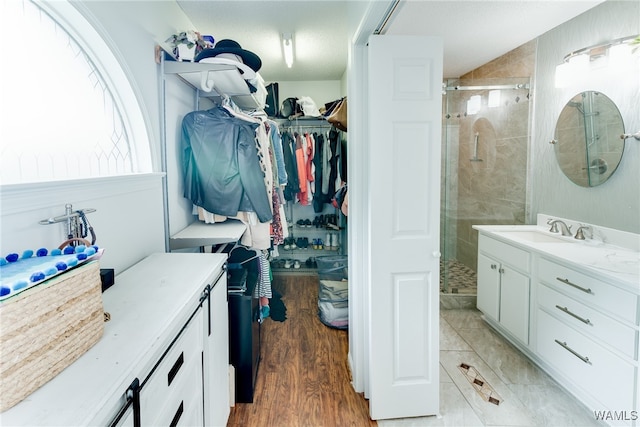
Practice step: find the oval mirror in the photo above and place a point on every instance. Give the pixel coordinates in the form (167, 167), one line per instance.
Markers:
(588, 143)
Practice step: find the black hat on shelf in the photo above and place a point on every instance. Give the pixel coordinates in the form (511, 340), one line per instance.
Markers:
(228, 47)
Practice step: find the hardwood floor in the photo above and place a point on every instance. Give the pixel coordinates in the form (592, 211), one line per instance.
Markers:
(303, 378)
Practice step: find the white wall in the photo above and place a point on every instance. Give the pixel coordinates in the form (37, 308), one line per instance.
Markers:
(616, 203)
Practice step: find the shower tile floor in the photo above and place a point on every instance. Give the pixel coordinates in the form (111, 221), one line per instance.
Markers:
(458, 285)
(457, 278)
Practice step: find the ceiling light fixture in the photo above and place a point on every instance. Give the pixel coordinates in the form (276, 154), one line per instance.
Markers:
(287, 48)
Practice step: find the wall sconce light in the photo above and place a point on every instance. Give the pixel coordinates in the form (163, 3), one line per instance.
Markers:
(494, 99)
(577, 66)
(474, 104)
(287, 48)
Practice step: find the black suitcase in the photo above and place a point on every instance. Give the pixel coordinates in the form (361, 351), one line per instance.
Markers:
(273, 102)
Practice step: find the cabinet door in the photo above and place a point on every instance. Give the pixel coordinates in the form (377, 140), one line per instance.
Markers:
(514, 303)
(488, 299)
(216, 356)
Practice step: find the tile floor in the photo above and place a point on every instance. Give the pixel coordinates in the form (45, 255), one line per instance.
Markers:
(457, 278)
(528, 396)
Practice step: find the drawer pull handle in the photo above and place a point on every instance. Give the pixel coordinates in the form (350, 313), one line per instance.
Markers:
(566, 310)
(176, 417)
(175, 368)
(575, 353)
(567, 282)
(493, 266)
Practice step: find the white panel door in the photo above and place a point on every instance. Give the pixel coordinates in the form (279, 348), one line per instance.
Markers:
(405, 116)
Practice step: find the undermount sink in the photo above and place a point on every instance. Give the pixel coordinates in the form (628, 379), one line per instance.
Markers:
(534, 236)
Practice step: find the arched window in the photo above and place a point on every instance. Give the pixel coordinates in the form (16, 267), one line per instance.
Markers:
(63, 117)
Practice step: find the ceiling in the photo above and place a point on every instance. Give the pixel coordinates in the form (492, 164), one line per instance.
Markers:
(473, 32)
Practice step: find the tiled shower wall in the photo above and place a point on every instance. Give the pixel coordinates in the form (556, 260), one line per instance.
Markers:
(491, 191)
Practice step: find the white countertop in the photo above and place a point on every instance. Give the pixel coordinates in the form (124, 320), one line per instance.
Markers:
(603, 260)
(148, 304)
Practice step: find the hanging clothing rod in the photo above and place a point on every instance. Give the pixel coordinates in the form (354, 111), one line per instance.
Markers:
(494, 87)
(320, 126)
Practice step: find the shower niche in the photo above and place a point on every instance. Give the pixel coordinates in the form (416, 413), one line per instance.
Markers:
(484, 168)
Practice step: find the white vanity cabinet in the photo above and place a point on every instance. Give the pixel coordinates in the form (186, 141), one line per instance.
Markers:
(504, 286)
(163, 358)
(587, 333)
(580, 302)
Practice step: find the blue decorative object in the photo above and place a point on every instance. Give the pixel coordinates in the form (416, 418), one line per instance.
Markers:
(37, 276)
(21, 273)
(50, 271)
(20, 285)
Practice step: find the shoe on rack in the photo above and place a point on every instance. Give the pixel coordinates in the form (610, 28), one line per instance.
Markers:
(333, 246)
(320, 244)
(309, 263)
(287, 263)
(307, 223)
(300, 223)
(299, 243)
(305, 242)
(296, 264)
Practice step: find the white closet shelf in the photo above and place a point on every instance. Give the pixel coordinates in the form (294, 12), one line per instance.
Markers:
(215, 81)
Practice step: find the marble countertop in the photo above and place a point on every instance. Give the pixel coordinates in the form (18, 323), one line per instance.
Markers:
(605, 261)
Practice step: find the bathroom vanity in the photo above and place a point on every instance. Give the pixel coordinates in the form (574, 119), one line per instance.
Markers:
(572, 306)
(163, 358)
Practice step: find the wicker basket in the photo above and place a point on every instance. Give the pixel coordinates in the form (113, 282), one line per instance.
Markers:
(46, 328)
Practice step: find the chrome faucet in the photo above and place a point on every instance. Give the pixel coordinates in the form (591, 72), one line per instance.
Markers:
(566, 231)
(580, 232)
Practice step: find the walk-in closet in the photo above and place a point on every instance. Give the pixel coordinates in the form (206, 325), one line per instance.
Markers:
(265, 186)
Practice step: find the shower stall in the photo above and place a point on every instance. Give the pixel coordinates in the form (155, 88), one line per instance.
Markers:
(484, 169)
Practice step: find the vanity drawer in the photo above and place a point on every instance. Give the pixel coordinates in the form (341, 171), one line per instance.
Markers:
(183, 407)
(590, 322)
(506, 253)
(592, 291)
(606, 377)
(174, 371)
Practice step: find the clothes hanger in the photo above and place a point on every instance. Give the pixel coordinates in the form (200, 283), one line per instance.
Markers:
(239, 246)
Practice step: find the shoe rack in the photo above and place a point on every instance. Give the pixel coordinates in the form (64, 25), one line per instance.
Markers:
(311, 234)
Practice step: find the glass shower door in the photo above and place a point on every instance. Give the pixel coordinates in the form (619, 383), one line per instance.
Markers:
(484, 170)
